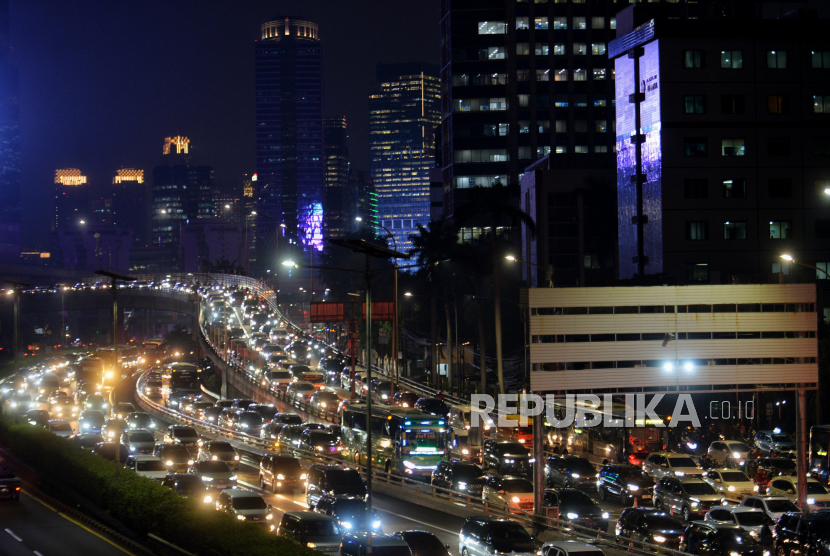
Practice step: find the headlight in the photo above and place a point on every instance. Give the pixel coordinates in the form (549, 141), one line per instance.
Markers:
(575, 475)
(532, 460)
(303, 477)
(811, 500)
(572, 515)
(236, 458)
(269, 516)
(376, 524)
(694, 504)
(240, 517)
(208, 479)
(86, 425)
(755, 488)
(516, 499)
(465, 451)
(168, 463)
(190, 462)
(633, 488)
(462, 486)
(766, 552)
(214, 458)
(736, 455)
(311, 545)
(233, 477)
(208, 499)
(679, 473)
(508, 461)
(733, 553)
(731, 488)
(132, 448)
(605, 515)
(658, 538)
(14, 404)
(320, 448)
(281, 477)
(346, 525)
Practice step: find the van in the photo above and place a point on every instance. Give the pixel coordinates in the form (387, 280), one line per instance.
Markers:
(356, 544)
(312, 530)
(333, 479)
(246, 505)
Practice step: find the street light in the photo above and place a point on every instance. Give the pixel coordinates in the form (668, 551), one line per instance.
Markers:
(548, 272)
(790, 258)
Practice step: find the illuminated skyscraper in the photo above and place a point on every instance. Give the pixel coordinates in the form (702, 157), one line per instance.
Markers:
(9, 146)
(402, 120)
(71, 198)
(339, 215)
(130, 204)
(289, 132)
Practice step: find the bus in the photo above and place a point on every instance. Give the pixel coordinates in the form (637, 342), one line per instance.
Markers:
(152, 349)
(181, 376)
(404, 441)
(91, 370)
(819, 449)
(523, 431)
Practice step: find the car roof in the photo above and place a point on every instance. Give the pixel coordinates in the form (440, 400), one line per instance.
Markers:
(574, 546)
(311, 516)
(146, 458)
(241, 493)
(738, 509)
(377, 540)
(687, 479)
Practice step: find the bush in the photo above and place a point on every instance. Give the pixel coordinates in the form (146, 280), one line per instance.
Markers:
(142, 505)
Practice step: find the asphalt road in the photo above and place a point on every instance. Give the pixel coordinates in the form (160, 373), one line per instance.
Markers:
(31, 527)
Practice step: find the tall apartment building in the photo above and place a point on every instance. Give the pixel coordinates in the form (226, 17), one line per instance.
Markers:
(338, 202)
(130, 204)
(723, 148)
(289, 132)
(10, 236)
(403, 116)
(72, 198)
(521, 80)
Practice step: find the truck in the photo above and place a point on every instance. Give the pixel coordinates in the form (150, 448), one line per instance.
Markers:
(9, 484)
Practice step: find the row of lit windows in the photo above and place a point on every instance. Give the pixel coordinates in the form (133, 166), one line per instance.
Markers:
(699, 230)
(661, 336)
(736, 104)
(736, 146)
(661, 363)
(524, 23)
(734, 59)
(777, 188)
(657, 309)
(542, 101)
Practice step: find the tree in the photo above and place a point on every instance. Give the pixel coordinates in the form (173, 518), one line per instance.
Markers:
(495, 207)
(473, 258)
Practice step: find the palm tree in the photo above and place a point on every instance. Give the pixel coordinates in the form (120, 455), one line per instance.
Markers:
(495, 207)
(473, 258)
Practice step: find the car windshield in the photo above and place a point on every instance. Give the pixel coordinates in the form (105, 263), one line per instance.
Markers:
(520, 486)
(322, 529)
(287, 464)
(305, 387)
(815, 488)
(249, 503)
(662, 522)
(321, 438)
(736, 536)
(142, 437)
(172, 452)
(629, 474)
(467, 472)
(280, 375)
(291, 419)
(574, 498)
(152, 465)
(427, 543)
(62, 427)
(189, 482)
(344, 477)
(681, 462)
(734, 477)
(698, 489)
(350, 506)
(250, 419)
(738, 447)
(781, 506)
(750, 519)
(581, 467)
(513, 448)
(184, 433)
(781, 438)
(508, 531)
(213, 467)
(220, 447)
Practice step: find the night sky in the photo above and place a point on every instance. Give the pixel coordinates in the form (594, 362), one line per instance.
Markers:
(103, 82)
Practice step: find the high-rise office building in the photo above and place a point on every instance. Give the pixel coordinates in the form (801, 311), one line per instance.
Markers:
(235, 201)
(182, 191)
(130, 205)
(337, 202)
(72, 198)
(403, 116)
(364, 196)
(730, 165)
(289, 133)
(10, 238)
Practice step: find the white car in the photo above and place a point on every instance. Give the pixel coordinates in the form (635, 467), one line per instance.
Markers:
(721, 450)
(509, 493)
(817, 495)
(570, 548)
(731, 483)
(751, 520)
(147, 466)
(279, 379)
(59, 427)
(138, 441)
(773, 506)
(671, 464)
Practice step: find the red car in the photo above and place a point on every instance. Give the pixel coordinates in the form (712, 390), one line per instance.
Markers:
(405, 399)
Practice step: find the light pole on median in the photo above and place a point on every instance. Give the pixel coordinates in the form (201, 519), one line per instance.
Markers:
(15, 291)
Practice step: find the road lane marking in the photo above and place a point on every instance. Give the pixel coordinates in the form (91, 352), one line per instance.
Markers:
(15, 537)
(418, 522)
(303, 504)
(103, 538)
(36, 553)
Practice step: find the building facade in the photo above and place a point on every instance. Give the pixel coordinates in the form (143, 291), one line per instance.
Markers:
(403, 116)
(130, 204)
(72, 198)
(338, 202)
(673, 338)
(210, 240)
(289, 132)
(732, 159)
(94, 246)
(10, 235)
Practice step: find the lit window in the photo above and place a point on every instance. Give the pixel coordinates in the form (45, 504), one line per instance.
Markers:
(776, 59)
(543, 75)
(580, 48)
(734, 188)
(598, 49)
(693, 59)
(734, 230)
(524, 126)
(492, 28)
(522, 48)
(579, 23)
(600, 126)
(821, 104)
(540, 23)
(542, 151)
(733, 147)
(600, 148)
(597, 23)
(599, 74)
(561, 126)
(523, 75)
(694, 104)
(492, 53)
(821, 59)
(542, 49)
(580, 75)
(822, 270)
(560, 75)
(544, 126)
(559, 50)
(560, 22)
(522, 23)
(561, 149)
(780, 229)
(697, 231)
(561, 100)
(731, 59)
(581, 101)
(524, 100)
(599, 101)
(613, 23)
(581, 149)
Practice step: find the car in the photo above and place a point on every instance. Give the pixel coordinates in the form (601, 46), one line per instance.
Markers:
(37, 417)
(769, 441)
(570, 472)
(280, 472)
(731, 483)
(113, 428)
(459, 476)
(248, 422)
(751, 520)
(382, 391)
(320, 442)
(817, 495)
(20, 402)
(121, 409)
(310, 528)
(720, 539)
(184, 435)
(278, 379)
(147, 466)
(218, 450)
(211, 414)
(663, 464)
(96, 401)
(216, 474)
(722, 450)
(60, 428)
(325, 401)
(773, 506)
(87, 440)
(246, 505)
(776, 466)
(650, 526)
(91, 420)
(576, 507)
(301, 390)
(685, 495)
(433, 406)
(506, 456)
(334, 480)
(626, 482)
(491, 535)
(405, 399)
(195, 408)
(569, 548)
(797, 533)
(351, 514)
(111, 451)
(188, 486)
(288, 419)
(266, 411)
(423, 543)
(140, 420)
(138, 441)
(63, 407)
(242, 403)
(176, 457)
(513, 494)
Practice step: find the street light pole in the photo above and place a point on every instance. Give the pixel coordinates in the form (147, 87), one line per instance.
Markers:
(548, 273)
(15, 291)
